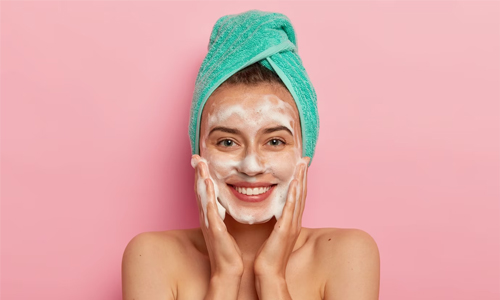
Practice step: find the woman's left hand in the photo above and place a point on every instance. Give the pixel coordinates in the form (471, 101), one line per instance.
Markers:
(272, 258)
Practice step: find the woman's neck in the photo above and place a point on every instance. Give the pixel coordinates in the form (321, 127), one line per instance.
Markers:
(249, 237)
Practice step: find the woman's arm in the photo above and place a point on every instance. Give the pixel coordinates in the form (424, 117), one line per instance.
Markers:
(223, 287)
(272, 259)
(226, 263)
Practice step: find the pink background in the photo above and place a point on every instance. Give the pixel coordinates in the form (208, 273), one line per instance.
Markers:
(94, 118)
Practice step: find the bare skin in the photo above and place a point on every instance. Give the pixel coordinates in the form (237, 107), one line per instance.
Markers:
(275, 259)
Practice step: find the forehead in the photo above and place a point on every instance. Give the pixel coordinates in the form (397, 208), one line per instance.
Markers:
(248, 102)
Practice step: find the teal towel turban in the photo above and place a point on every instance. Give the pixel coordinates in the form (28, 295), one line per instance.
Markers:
(240, 40)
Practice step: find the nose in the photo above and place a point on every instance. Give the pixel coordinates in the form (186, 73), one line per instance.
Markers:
(251, 165)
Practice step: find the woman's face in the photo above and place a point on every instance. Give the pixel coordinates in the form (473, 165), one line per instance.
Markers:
(251, 139)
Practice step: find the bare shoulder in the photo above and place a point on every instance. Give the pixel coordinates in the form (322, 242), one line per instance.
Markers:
(160, 243)
(342, 239)
(350, 260)
(152, 261)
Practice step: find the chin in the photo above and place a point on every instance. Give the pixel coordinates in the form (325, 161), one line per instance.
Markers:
(254, 216)
(251, 220)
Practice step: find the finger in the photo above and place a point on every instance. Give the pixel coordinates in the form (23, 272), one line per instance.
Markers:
(287, 214)
(195, 165)
(198, 203)
(199, 172)
(212, 213)
(304, 195)
(205, 196)
(299, 198)
(297, 176)
(199, 193)
(203, 169)
(195, 158)
(196, 192)
(200, 166)
(296, 173)
(222, 240)
(202, 217)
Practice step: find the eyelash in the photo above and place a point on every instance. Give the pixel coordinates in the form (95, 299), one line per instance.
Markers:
(221, 141)
(282, 141)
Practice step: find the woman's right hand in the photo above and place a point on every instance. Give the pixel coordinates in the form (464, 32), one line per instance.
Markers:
(225, 256)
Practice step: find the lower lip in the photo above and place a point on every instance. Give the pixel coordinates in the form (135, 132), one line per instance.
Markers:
(252, 198)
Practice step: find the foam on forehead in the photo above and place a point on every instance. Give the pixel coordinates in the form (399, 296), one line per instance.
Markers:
(270, 108)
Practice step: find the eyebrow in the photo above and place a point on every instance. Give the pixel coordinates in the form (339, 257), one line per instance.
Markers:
(224, 129)
(236, 131)
(278, 128)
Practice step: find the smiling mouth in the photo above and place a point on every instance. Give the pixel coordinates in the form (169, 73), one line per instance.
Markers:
(252, 191)
(252, 194)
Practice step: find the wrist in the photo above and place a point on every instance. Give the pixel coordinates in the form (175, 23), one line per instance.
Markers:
(271, 285)
(222, 279)
(223, 287)
(269, 274)
(271, 279)
(228, 273)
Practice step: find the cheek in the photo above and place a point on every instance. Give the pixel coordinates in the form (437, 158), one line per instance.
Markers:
(220, 164)
(282, 164)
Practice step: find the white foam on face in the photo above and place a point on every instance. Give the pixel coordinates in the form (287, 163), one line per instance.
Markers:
(249, 115)
(201, 188)
(259, 115)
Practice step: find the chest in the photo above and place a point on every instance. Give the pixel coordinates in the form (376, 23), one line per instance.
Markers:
(304, 281)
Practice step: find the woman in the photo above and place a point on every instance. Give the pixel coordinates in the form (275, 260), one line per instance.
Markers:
(253, 131)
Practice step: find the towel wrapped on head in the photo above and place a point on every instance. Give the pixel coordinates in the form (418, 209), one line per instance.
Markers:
(240, 40)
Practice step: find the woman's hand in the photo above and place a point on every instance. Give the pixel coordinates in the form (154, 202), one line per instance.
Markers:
(225, 257)
(272, 259)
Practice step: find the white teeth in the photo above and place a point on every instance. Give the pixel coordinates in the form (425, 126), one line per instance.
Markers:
(252, 191)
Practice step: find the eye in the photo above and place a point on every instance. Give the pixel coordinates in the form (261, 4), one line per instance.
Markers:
(276, 142)
(226, 143)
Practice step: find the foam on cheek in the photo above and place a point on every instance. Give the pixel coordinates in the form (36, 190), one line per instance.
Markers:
(224, 168)
(201, 188)
(282, 189)
(250, 120)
